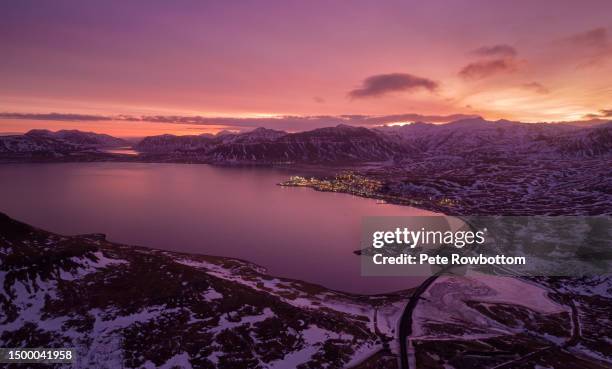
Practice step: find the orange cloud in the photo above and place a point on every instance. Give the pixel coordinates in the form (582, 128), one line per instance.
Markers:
(501, 50)
(382, 84)
(602, 114)
(535, 87)
(594, 45)
(487, 68)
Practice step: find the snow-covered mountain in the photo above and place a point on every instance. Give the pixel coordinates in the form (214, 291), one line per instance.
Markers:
(80, 138)
(47, 144)
(481, 136)
(342, 144)
(592, 141)
(334, 144)
(164, 144)
(34, 145)
(205, 142)
(257, 135)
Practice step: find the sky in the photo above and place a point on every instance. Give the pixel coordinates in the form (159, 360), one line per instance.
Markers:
(135, 68)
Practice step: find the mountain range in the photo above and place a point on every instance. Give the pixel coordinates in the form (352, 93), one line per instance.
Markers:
(346, 144)
(39, 143)
(332, 145)
(133, 307)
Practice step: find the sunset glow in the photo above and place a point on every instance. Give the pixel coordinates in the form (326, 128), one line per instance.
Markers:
(527, 61)
(301, 184)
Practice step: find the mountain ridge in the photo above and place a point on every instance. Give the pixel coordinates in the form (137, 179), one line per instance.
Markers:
(329, 145)
(344, 143)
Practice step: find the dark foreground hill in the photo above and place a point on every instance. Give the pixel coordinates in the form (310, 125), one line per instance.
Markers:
(131, 307)
(123, 306)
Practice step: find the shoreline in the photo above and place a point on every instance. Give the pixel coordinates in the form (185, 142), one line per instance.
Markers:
(410, 298)
(369, 288)
(176, 289)
(320, 185)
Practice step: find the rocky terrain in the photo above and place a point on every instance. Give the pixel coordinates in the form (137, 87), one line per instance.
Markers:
(471, 166)
(516, 185)
(40, 144)
(475, 167)
(126, 306)
(133, 307)
(501, 322)
(468, 139)
(79, 138)
(339, 144)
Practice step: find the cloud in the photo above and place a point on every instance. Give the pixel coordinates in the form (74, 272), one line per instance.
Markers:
(593, 45)
(487, 68)
(501, 50)
(289, 123)
(318, 100)
(596, 38)
(381, 84)
(535, 87)
(54, 116)
(307, 122)
(602, 114)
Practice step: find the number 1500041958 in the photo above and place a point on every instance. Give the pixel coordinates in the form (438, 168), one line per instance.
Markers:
(37, 355)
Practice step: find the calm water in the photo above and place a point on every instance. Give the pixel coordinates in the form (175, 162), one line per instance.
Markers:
(294, 232)
(121, 150)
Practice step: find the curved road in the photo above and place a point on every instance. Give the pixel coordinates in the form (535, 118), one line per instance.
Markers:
(405, 328)
(405, 325)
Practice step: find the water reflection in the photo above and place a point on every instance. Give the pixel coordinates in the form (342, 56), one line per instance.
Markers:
(294, 232)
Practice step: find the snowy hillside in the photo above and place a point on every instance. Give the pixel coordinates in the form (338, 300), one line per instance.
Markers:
(133, 307)
(85, 139)
(480, 136)
(124, 306)
(488, 321)
(40, 143)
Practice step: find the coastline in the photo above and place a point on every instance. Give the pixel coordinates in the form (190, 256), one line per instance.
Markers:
(429, 185)
(412, 307)
(336, 185)
(212, 291)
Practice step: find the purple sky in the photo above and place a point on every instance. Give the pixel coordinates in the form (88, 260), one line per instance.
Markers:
(522, 60)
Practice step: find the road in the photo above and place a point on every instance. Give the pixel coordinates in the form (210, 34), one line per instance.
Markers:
(405, 326)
